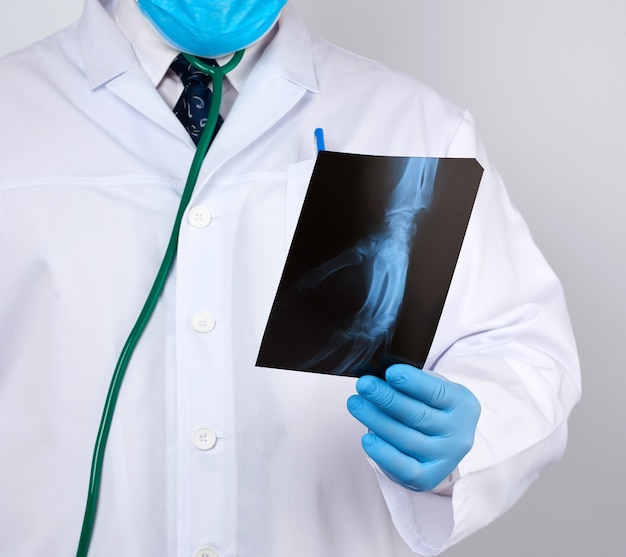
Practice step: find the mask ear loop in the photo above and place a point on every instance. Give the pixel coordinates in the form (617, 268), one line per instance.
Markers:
(217, 75)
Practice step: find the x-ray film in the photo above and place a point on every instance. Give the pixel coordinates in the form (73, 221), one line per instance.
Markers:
(370, 263)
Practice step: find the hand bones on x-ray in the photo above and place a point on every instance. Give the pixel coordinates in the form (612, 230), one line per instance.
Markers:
(383, 257)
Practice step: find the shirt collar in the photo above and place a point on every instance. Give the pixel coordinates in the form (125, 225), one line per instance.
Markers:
(115, 38)
(155, 54)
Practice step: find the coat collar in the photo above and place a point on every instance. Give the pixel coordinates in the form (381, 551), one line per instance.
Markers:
(291, 53)
(106, 52)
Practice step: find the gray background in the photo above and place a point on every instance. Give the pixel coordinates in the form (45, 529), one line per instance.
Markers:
(545, 81)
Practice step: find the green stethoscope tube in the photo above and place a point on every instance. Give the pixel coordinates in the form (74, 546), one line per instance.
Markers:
(217, 75)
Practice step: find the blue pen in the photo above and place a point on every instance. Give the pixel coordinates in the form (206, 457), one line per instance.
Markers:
(319, 136)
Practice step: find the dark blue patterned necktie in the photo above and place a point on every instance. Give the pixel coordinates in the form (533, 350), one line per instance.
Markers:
(193, 105)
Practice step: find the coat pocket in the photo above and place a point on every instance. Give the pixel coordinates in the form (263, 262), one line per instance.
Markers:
(298, 178)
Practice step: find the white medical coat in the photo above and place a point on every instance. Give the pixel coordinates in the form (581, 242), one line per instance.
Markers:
(92, 164)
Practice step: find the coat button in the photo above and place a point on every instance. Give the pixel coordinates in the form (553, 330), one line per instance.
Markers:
(199, 217)
(203, 323)
(206, 552)
(204, 439)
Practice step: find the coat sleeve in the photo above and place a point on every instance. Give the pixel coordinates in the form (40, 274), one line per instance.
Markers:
(505, 334)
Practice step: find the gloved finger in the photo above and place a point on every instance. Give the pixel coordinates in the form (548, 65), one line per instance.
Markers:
(407, 440)
(407, 410)
(401, 468)
(435, 391)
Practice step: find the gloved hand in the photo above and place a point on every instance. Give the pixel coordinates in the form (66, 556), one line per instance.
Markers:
(420, 425)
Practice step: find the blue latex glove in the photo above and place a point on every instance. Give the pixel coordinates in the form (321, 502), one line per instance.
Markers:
(420, 424)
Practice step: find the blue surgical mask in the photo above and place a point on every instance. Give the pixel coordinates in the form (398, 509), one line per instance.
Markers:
(211, 28)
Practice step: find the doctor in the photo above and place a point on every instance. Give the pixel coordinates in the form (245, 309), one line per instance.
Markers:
(209, 455)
